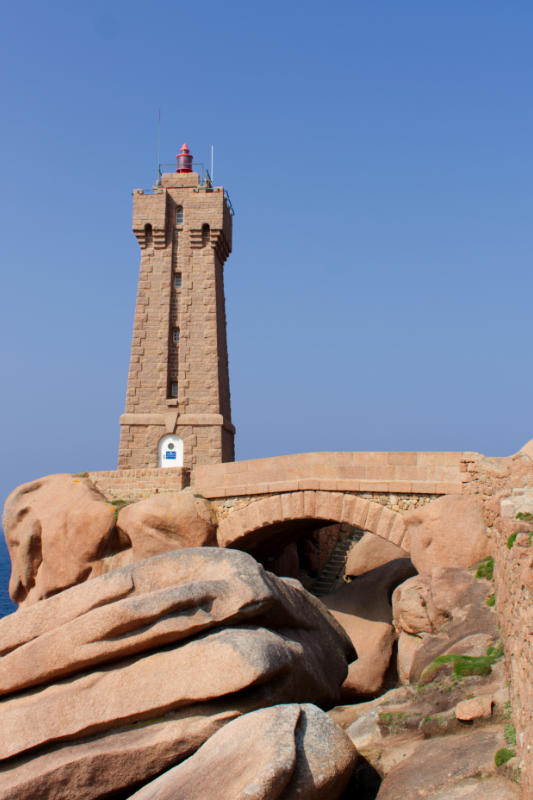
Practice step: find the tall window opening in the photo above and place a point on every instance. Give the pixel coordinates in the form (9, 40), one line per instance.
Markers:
(177, 280)
(176, 335)
(179, 216)
(206, 234)
(148, 235)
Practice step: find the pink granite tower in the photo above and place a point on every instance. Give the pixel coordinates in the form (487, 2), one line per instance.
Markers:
(178, 399)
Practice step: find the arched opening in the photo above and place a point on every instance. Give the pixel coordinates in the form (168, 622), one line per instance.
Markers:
(170, 451)
(148, 235)
(206, 234)
(317, 527)
(246, 525)
(311, 550)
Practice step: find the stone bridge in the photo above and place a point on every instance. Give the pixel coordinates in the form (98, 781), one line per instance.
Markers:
(367, 490)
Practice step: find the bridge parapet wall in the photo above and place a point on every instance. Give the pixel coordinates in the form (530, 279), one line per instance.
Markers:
(400, 473)
(407, 476)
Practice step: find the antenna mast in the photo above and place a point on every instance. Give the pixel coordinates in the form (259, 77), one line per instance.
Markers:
(159, 147)
(212, 162)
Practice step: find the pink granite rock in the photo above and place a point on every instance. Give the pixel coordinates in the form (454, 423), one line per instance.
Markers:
(286, 751)
(190, 634)
(369, 552)
(57, 529)
(139, 607)
(363, 609)
(448, 532)
(442, 768)
(474, 708)
(407, 648)
(95, 766)
(414, 608)
(442, 611)
(166, 522)
(216, 664)
(425, 602)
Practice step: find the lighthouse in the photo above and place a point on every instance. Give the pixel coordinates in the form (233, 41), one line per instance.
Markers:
(178, 411)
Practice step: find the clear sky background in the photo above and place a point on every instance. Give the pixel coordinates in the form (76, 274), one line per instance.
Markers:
(379, 158)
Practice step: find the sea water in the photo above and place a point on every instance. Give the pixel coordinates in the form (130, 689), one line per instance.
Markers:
(6, 606)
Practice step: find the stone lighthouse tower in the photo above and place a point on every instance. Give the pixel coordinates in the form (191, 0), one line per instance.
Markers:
(178, 399)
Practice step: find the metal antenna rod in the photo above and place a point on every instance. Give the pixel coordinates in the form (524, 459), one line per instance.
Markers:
(212, 162)
(159, 144)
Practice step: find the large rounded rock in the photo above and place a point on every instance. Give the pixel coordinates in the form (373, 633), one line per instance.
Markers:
(415, 610)
(57, 529)
(424, 603)
(150, 659)
(166, 522)
(448, 532)
(364, 610)
(287, 751)
(370, 552)
(439, 610)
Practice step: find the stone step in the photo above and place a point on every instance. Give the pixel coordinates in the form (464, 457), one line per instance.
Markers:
(334, 568)
(335, 565)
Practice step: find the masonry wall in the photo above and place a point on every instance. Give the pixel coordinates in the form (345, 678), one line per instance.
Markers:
(513, 577)
(408, 475)
(403, 473)
(136, 484)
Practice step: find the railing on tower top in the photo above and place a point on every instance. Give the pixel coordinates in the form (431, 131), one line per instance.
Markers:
(228, 201)
(200, 168)
(205, 180)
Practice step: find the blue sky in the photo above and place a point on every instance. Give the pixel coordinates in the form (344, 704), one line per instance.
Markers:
(378, 155)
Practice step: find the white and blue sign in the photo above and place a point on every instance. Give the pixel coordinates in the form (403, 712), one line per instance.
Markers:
(170, 451)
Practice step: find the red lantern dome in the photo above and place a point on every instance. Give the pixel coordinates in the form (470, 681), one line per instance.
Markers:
(184, 159)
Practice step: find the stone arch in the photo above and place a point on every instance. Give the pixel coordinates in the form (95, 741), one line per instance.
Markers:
(241, 527)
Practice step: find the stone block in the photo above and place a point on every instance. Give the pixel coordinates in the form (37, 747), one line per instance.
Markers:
(327, 484)
(382, 473)
(308, 483)
(397, 531)
(402, 487)
(386, 521)
(373, 517)
(309, 504)
(402, 458)
(349, 485)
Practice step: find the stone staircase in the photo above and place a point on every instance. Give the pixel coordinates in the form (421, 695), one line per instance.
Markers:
(333, 573)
